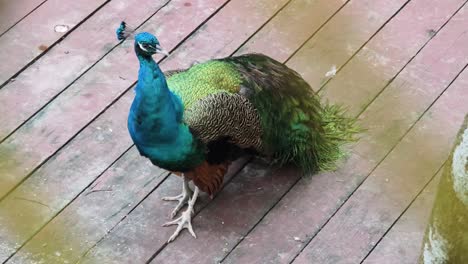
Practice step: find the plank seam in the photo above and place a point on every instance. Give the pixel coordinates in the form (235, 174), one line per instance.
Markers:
(123, 218)
(21, 19)
(388, 153)
(411, 59)
(404, 211)
(82, 191)
(54, 44)
(79, 76)
(365, 43)
(261, 27)
(260, 220)
(316, 32)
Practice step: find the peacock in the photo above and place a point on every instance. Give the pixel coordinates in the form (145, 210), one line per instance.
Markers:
(195, 122)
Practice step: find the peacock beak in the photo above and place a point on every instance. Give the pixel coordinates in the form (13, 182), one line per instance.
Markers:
(159, 49)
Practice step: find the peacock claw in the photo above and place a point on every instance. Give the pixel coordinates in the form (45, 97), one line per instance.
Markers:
(182, 198)
(184, 221)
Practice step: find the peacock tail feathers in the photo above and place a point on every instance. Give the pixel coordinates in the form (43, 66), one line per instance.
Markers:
(297, 128)
(339, 130)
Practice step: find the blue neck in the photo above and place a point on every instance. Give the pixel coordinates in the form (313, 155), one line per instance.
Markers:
(155, 120)
(154, 102)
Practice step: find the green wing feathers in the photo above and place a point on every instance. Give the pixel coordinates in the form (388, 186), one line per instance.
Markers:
(295, 127)
(204, 79)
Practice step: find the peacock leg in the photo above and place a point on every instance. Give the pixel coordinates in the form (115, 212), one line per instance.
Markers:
(185, 220)
(182, 198)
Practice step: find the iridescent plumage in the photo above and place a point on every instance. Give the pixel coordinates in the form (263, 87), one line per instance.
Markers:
(196, 121)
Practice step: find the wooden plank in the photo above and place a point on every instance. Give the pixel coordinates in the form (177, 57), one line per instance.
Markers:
(82, 151)
(291, 28)
(56, 183)
(340, 184)
(211, 253)
(226, 24)
(21, 45)
(353, 231)
(41, 136)
(339, 39)
(64, 63)
(11, 12)
(402, 244)
(86, 220)
(381, 59)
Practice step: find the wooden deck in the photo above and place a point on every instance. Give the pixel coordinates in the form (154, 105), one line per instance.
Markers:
(73, 189)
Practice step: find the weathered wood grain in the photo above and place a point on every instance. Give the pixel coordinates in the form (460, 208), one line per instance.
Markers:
(313, 202)
(11, 12)
(374, 66)
(34, 34)
(55, 184)
(291, 28)
(64, 63)
(402, 244)
(370, 211)
(340, 38)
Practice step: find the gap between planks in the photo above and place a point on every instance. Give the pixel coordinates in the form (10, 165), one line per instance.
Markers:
(29, 61)
(17, 19)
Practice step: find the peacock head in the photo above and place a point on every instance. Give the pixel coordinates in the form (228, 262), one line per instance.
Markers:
(147, 44)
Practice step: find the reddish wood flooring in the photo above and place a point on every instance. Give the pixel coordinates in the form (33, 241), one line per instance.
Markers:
(73, 189)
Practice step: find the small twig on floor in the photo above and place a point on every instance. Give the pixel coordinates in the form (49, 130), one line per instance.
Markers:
(32, 201)
(99, 190)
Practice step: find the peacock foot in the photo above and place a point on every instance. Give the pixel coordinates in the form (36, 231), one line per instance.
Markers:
(185, 220)
(182, 198)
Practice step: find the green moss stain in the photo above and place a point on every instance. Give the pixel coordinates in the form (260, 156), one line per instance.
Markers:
(22, 213)
(446, 239)
(204, 79)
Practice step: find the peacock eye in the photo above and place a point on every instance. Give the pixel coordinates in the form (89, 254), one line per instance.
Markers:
(144, 46)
